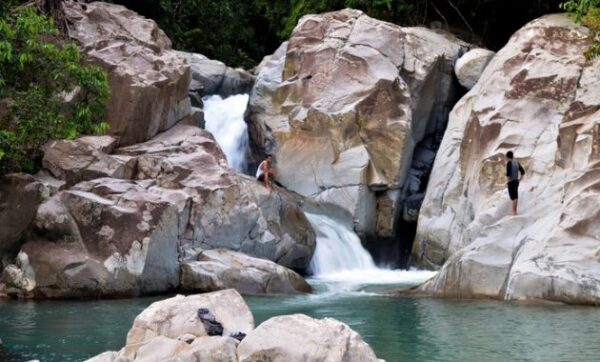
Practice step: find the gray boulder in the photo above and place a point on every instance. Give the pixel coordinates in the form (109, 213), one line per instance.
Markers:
(470, 66)
(117, 237)
(222, 269)
(301, 338)
(20, 196)
(148, 81)
(214, 77)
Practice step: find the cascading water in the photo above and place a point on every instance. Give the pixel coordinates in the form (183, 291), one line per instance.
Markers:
(340, 257)
(225, 120)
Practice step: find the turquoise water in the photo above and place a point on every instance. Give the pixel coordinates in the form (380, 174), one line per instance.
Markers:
(398, 329)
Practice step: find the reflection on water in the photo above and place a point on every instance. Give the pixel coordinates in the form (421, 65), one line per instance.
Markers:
(398, 329)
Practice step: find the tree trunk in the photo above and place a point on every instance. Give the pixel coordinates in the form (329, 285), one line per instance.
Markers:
(55, 10)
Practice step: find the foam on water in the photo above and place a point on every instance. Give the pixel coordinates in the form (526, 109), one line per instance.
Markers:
(225, 120)
(341, 260)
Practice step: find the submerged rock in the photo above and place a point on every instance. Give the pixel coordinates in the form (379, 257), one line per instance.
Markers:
(540, 98)
(343, 104)
(221, 269)
(170, 330)
(148, 81)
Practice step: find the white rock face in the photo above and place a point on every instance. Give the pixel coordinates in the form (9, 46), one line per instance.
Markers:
(178, 317)
(471, 65)
(540, 98)
(343, 104)
(301, 338)
(170, 330)
(222, 269)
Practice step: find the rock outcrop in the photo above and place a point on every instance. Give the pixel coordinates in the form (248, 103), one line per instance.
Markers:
(176, 329)
(20, 196)
(301, 338)
(212, 77)
(124, 233)
(540, 98)
(342, 106)
(222, 269)
(148, 81)
(470, 66)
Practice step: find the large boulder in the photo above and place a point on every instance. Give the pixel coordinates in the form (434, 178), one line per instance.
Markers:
(470, 66)
(20, 196)
(148, 81)
(113, 236)
(183, 318)
(301, 338)
(540, 98)
(214, 77)
(86, 158)
(209, 328)
(222, 269)
(342, 106)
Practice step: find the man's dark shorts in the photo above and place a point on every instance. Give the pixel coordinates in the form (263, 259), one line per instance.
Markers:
(261, 177)
(513, 190)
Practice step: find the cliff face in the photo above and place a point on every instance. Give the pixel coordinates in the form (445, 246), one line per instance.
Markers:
(342, 106)
(540, 98)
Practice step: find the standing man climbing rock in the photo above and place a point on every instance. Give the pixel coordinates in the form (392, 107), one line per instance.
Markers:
(514, 174)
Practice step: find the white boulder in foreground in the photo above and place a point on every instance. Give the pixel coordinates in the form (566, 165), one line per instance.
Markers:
(172, 330)
(299, 337)
(471, 65)
(222, 269)
(541, 98)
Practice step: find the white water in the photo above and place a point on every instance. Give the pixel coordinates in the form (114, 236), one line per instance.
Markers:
(225, 120)
(340, 258)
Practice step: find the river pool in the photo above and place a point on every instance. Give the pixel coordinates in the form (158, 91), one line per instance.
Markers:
(398, 328)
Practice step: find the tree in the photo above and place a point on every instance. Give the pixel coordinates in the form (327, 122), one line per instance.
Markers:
(47, 91)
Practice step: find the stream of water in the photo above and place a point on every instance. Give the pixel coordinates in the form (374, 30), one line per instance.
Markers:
(225, 120)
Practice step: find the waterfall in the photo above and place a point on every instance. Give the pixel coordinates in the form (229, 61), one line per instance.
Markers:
(225, 120)
(340, 257)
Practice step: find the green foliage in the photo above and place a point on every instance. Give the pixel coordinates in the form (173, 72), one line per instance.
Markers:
(587, 12)
(46, 90)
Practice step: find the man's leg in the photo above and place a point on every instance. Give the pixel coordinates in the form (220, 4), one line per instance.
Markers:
(514, 206)
(267, 182)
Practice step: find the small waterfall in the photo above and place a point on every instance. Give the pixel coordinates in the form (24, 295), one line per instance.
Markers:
(225, 120)
(340, 257)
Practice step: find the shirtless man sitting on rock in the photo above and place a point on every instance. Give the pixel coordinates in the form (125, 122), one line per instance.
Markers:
(265, 173)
